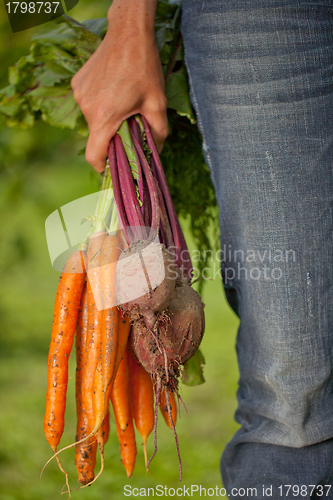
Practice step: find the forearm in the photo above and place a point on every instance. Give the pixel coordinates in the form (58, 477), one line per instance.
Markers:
(123, 77)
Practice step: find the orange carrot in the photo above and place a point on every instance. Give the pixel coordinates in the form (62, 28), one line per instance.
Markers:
(127, 443)
(97, 396)
(109, 349)
(110, 252)
(106, 337)
(92, 390)
(124, 331)
(94, 337)
(164, 407)
(123, 416)
(119, 394)
(142, 400)
(97, 431)
(98, 406)
(100, 441)
(85, 453)
(66, 310)
(106, 426)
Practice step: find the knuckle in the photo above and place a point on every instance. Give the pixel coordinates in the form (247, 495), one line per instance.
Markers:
(74, 82)
(158, 105)
(85, 106)
(164, 102)
(164, 133)
(77, 95)
(90, 157)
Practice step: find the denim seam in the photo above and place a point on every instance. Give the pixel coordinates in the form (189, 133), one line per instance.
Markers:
(200, 125)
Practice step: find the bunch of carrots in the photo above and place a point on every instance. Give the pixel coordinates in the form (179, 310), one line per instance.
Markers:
(86, 305)
(104, 369)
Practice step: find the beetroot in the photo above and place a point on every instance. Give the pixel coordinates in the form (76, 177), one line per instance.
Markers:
(157, 357)
(176, 336)
(145, 280)
(188, 321)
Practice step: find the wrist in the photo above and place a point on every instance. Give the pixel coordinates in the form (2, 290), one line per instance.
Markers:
(133, 16)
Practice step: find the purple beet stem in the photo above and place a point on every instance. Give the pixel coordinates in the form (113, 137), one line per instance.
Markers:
(135, 132)
(128, 191)
(165, 229)
(165, 224)
(170, 226)
(116, 189)
(155, 209)
(179, 238)
(146, 207)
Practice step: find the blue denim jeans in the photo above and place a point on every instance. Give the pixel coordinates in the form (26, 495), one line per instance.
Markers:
(261, 78)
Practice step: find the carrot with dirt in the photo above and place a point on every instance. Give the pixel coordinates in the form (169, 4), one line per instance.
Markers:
(141, 393)
(124, 332)
(92, 389)
(104, 254)
(106, 425)
(85, 452)
(94, 334)
(66, 309)
(119, 394)
(123, 416)
(163, 403)
(128, 450)
(92, 386)
(102, 342)
(110, 252)
(99, 408)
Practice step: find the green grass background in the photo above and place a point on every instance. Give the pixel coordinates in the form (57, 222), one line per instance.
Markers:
(39, 172)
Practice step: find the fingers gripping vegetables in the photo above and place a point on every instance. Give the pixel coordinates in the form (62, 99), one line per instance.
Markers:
(137, 318)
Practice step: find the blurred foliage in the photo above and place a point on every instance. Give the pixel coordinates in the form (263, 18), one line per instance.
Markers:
(21, 151)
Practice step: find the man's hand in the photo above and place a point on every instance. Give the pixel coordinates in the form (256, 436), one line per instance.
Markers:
(123, 77)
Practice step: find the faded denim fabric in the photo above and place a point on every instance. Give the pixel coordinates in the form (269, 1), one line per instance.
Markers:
(261, 77)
